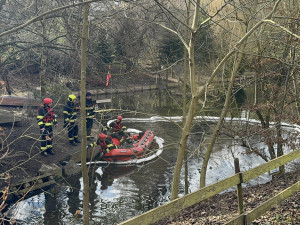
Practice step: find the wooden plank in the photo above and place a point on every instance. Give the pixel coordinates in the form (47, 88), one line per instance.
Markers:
(7, 116)
(32, 179)
(103, 100)
(139, 88)
(109, 90)
(122, 90)
(93, 92)
(266, 206)
(152, 87)
(35, 187)
(176, 205)
(239, 220)
(146, 88)
(105, 110)
(8, 100)
(239, 186)
(273, 164)
(172, 85)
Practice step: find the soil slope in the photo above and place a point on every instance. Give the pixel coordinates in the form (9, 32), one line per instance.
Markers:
(224, 207)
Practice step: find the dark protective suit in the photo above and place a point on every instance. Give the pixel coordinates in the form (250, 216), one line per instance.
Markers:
(46, 120)
(70, 117)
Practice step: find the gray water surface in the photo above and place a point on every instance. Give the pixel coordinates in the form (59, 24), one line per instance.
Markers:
(121, 192)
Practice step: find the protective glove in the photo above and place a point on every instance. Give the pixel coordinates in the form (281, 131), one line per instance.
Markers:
(92, 144)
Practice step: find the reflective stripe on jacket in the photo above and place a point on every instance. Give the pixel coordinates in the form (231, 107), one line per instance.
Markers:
(45, 116)
(70, 113)
(106, 144)
(90, 109)
(116, 127)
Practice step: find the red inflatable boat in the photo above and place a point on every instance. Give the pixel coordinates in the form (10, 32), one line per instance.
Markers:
(127, 151)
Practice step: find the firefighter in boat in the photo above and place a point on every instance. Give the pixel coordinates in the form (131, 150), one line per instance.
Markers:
(70, 117)
(90, 114)
(118, 130)
(46, 120)
(105, 142)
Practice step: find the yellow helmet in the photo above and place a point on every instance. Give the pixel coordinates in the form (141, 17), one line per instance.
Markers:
(71, 98)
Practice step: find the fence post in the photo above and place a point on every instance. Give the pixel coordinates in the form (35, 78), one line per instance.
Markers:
(239, 186)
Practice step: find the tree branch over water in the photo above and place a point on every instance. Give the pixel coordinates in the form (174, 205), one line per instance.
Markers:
(37, 18)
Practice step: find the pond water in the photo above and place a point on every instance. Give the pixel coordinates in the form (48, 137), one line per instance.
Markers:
(118, 193)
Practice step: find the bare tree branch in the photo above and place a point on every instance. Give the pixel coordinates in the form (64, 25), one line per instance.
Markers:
(37, 18)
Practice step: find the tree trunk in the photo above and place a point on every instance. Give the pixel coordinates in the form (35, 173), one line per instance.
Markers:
(183, 147)
(208, 152)
(83, 116)
(43, 81)
(196, 97)
(265, 124)
(186, 181)
(193, 104)
(224, 111)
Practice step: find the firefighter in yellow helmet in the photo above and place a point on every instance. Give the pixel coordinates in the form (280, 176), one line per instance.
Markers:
(70, 117)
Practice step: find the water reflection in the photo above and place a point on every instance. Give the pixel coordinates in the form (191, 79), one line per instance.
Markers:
(119, 193)
(29, 211)
(107, 175)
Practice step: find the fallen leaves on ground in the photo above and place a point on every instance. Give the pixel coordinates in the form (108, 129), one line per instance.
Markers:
(224, 207)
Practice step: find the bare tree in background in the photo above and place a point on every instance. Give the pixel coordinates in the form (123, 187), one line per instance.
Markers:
(84, 169)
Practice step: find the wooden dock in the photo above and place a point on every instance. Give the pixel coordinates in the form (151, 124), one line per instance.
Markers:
(7, 116)
(106, 91)
(9, 100)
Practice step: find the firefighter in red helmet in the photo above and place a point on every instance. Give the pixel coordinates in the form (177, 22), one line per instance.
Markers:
(105, 142)
(118, 130)
(46, 121)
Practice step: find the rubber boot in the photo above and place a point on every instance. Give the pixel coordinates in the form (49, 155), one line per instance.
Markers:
(44, 153)
(76, 140)
(49, 151)
(72, 143)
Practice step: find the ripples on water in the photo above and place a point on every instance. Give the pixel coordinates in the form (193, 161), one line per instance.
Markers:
(119, 193)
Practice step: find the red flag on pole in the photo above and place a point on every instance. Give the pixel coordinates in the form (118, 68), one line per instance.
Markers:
(108, 76)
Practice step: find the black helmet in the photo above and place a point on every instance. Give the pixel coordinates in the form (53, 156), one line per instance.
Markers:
(88, 94)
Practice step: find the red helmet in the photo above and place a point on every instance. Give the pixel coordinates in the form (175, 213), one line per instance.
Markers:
(119, 117)
(102, 136)
(47, 100)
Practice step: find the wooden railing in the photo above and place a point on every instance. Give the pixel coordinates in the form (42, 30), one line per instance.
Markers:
(173, 207)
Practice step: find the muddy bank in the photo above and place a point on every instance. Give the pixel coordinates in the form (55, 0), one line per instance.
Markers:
(21, 158)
